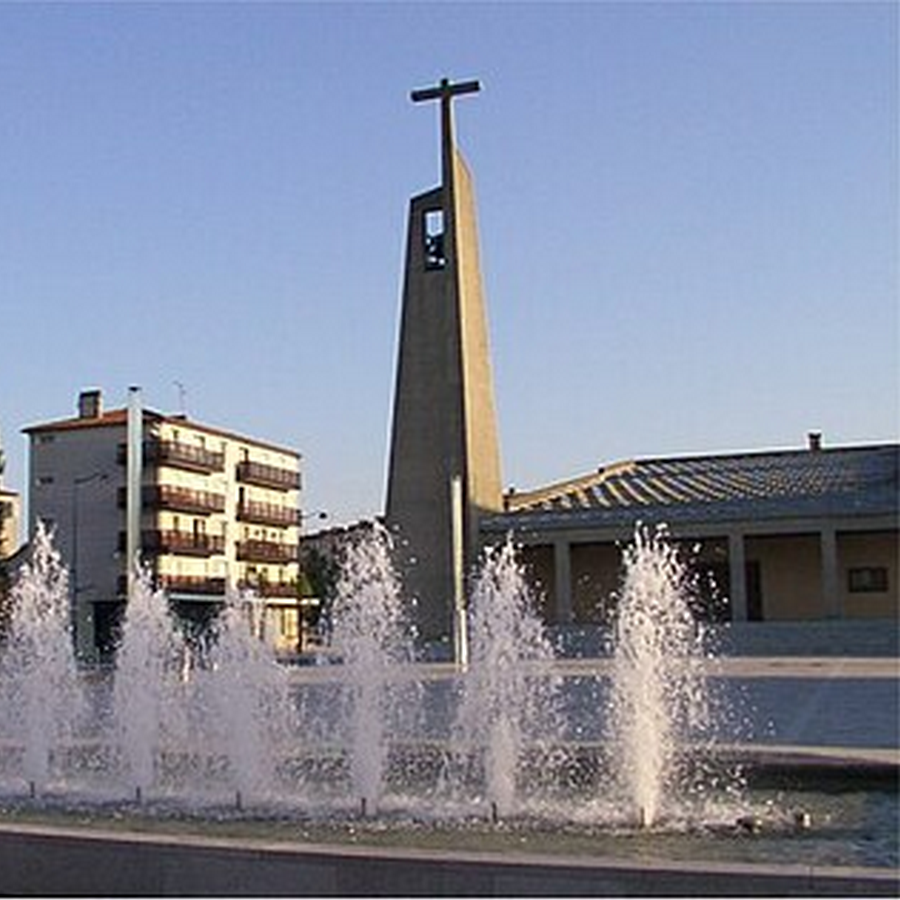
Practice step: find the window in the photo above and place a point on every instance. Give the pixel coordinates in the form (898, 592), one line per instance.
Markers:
(867, 580)
(44, 480)
(435, 254)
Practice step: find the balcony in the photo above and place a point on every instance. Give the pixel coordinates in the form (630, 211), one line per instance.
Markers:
(178, 456)
(178, 499)
(268, 514)
(191, 584)
(267, 551)
(183, 584)
(282, 589)
(268, 476)
(180, 543)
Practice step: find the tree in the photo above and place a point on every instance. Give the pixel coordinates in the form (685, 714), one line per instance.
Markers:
(318, 579)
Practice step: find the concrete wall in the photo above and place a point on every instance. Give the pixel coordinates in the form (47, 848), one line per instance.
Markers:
(444, 424)
(790, 569)
(485, 489)
(862, 550)
(44, 861)
(426, 439)
(74, 478)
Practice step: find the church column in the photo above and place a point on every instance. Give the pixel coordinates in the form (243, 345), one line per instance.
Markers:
(737, 576)
(562, 579)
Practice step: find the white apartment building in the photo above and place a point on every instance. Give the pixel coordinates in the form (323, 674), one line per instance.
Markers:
(219, 511)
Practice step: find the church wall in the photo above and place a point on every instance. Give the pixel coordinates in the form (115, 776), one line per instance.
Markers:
(790, 576)
(863, 559)
(482, 446)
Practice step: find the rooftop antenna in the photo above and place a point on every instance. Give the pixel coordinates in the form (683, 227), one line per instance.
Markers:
(182, 392)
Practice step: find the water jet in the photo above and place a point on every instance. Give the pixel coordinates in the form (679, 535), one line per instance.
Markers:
(397, 746)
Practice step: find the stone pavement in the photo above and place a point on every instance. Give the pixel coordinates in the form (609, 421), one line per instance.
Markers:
(831, 702)
(852, 706)
(846, 704)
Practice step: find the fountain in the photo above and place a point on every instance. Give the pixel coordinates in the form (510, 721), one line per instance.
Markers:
(39, 687)
(514, 746)
(659, 701)
(374, 639)
(509, 708)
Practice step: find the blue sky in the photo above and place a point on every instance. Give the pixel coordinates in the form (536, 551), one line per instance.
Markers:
(688, 217)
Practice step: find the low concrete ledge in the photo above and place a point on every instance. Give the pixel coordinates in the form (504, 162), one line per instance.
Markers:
(36, 860)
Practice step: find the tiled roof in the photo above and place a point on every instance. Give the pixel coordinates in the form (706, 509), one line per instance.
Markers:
(119, 417)
(836, 481)
(111, 418)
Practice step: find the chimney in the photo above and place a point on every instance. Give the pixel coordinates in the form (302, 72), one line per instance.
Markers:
(815, 441)
(90, 404)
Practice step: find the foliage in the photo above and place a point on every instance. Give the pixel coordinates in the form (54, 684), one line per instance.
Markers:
(320, 574)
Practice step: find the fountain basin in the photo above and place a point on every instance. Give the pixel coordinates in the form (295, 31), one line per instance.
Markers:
(125, 854)
(520, 752)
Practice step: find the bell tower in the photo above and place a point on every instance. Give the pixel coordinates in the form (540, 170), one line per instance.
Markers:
(444, 467)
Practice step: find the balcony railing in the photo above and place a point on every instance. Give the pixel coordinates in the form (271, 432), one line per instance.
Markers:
(283, 589)
(268, 476)
(187, 584)
(179, 499)
(178, 455)
(268, 514)
(192, 584)
(267, 551)
(183, 543)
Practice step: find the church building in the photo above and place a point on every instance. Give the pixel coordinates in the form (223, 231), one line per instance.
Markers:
(797, 534)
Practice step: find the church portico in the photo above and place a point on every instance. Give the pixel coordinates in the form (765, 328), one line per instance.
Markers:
(750, 568)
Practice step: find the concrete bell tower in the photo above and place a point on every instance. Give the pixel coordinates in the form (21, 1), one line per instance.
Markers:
(444, 467)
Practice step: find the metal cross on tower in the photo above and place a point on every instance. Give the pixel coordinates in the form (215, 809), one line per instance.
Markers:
(445, 91)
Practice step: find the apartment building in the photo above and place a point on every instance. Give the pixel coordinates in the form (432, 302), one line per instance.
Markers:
(219, 512)
(10, 510)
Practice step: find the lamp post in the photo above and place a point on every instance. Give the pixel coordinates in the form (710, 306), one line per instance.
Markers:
(77, 483)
